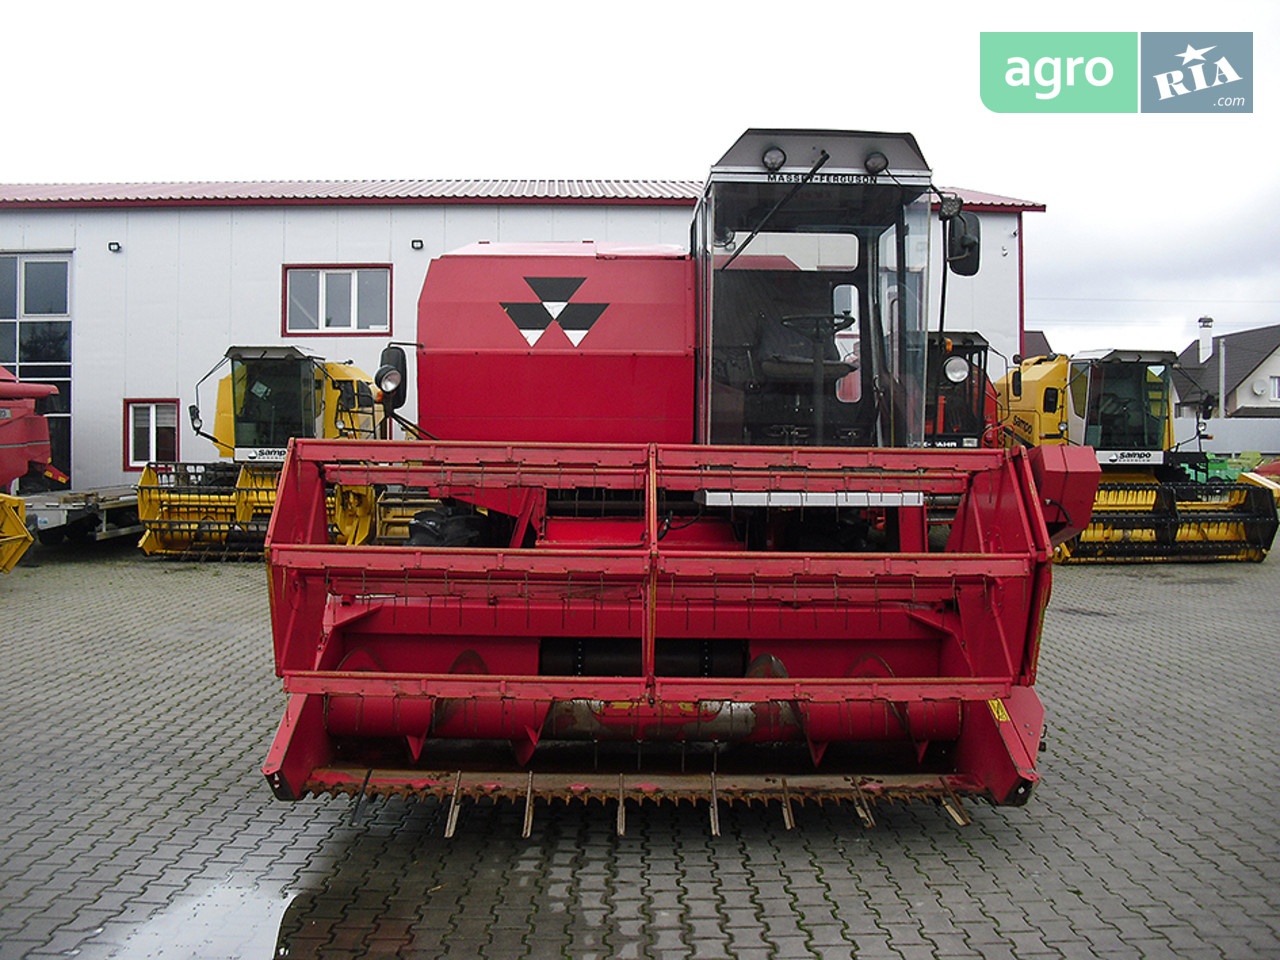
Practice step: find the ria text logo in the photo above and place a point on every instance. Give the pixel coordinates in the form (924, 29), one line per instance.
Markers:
(1117, 72)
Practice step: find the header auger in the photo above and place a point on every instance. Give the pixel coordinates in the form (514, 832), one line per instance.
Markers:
(679, 538)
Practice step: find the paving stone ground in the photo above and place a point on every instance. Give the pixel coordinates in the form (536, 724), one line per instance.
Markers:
(137, 701)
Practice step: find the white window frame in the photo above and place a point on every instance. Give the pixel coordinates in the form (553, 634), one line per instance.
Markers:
(133, 459)
(1275, 388)
(323, 323)
(20, 296)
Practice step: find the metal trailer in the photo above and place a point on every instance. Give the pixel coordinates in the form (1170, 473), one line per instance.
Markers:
(75, 515)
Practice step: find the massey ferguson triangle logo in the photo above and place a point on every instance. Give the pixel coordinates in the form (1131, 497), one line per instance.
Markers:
(553, 306)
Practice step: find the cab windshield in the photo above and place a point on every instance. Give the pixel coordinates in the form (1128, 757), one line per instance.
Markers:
(274, 400)
(817, 313)
(1127, 405)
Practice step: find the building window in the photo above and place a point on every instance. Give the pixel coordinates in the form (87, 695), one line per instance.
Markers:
(1275, 388)
(151, 428)
(337, 300)
(35, 342)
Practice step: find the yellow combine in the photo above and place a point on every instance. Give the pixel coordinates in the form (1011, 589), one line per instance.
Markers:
(1149, 507)
(270, 396)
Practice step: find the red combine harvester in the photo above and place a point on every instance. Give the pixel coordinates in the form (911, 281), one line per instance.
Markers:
(24, 444)
(677, 537)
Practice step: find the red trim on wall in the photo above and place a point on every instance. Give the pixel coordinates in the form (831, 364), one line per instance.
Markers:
(1022, 296)
(328, 334)
(177, 437)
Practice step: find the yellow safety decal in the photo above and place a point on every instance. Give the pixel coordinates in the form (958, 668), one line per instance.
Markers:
(997, 708)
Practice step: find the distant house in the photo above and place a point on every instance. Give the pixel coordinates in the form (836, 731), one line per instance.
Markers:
(1238, 374)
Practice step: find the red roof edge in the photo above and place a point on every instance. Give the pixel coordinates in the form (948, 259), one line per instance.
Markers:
(84, 204)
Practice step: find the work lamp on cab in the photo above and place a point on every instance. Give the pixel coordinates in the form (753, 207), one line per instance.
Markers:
(876, 162)
(773, 159)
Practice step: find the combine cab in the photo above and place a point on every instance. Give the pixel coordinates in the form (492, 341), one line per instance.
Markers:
(1149, 507)
(270, 396)
(961, 406)
(24, 444)
(682, 541)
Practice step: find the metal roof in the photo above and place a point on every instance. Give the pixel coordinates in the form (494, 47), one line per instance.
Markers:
(992, 202)
(265, 193)
(323, 192)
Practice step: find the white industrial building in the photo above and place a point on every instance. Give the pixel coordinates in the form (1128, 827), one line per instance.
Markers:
(125, 296)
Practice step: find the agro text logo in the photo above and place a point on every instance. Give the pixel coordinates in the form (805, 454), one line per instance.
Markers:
(1059, 72)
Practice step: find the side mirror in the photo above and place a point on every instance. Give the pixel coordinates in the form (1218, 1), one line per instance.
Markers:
(194, 413)
(392, 377)
(964, 243)
(1050, 399)
(1015, 383)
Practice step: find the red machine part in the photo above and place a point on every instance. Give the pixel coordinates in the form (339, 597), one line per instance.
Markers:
(659, 621)
(1067, 481)
(24, 435)
(566, 343)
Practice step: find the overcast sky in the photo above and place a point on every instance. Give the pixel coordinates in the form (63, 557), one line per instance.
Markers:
(1152, 220)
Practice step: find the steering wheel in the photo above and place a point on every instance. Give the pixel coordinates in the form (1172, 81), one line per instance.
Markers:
(818, 326)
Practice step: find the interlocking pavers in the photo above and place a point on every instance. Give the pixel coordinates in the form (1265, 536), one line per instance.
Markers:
(137, 701)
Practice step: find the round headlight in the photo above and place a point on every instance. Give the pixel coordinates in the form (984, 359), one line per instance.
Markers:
(388, 379)
(956, 369)
(876, 162)
(773, 159)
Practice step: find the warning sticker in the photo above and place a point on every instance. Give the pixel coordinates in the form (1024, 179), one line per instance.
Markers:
(997, 708)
